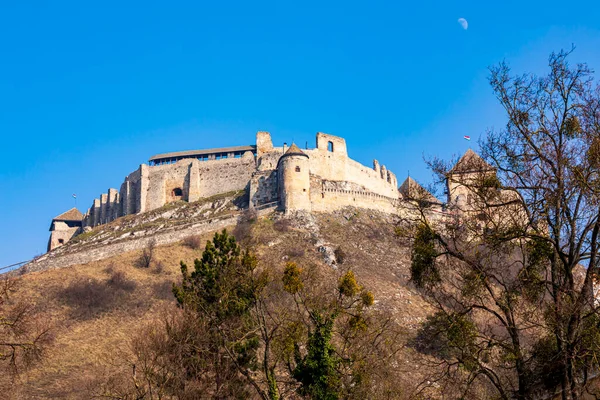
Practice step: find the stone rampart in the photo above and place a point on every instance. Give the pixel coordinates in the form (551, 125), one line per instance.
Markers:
(330, 196)
(226, 175)
(151, 187)
(167, 236)
(338, 167)
(264, 188)
(306, 185)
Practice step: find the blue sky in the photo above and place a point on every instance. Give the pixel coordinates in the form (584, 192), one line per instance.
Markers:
(88, 91)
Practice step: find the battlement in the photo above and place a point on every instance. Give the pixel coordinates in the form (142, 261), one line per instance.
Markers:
(322, 178)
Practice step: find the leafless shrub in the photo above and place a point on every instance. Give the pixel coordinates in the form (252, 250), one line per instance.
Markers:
(282, 225)
(164, 290)
(147, 257)
(23, 335)
(90, 297)
(244, 226)
(295, 253)
(119, 280)
(159, 268)
(110, 268)
(340, 255)
(161, 366)
(193, 242)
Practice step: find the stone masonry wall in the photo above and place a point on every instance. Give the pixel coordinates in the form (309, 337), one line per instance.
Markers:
(201, 179)
(151, 187)
(109, 250)
(163, 180)
(338, 167)
(61, 234)
(220, 176)
(264, 188)
(327, 196)
(162, 226)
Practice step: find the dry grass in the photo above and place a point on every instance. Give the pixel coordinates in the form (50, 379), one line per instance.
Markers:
(146, 258)
(194, 242)
(98, 307)
(95, 309)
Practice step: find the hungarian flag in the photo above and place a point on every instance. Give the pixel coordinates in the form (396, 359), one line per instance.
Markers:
(467, 137)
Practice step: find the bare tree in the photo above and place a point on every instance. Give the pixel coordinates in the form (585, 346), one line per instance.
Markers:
(242, 331)
(22, 335)
(146, 259)
(511, 266)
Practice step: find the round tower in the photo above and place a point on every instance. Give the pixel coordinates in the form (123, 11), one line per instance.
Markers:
(294, 180)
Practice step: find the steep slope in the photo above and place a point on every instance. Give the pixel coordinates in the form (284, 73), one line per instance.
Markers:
(165, 225)
(95, 308)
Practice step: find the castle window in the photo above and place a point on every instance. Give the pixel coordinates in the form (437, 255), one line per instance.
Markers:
(61, 241)
(177, 192)
(297, 169)
(330, 146)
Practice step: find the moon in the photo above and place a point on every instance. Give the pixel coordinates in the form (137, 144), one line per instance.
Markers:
(463, 22)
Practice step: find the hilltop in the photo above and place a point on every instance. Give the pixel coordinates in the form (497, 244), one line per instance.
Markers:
(96, 299)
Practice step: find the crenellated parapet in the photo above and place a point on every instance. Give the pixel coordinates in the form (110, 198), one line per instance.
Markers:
(321, 178)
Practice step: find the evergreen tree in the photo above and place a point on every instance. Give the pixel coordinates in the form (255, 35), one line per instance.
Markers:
(318, 372)
(222, 290)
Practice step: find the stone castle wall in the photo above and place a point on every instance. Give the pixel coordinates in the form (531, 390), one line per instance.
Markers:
(327, 196)
(151, 187)
(325, 180)
(375, 188)
(334, 167)
(321, 179)
(264, 188)
(61, 234)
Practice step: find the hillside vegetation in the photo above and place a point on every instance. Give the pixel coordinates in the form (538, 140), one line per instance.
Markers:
(96, 311)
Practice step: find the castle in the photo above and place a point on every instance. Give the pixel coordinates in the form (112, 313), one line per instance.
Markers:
(291, 179)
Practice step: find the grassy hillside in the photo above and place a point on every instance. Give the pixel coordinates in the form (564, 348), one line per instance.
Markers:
(95, 310)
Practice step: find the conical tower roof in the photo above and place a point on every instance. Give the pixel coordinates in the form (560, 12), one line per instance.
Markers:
(411, 190)
(471, 162)
(294, 150)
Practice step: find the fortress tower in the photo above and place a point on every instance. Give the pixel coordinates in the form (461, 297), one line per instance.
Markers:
(318, 179)
(64, 227)
(469, 172)
(293, 170)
